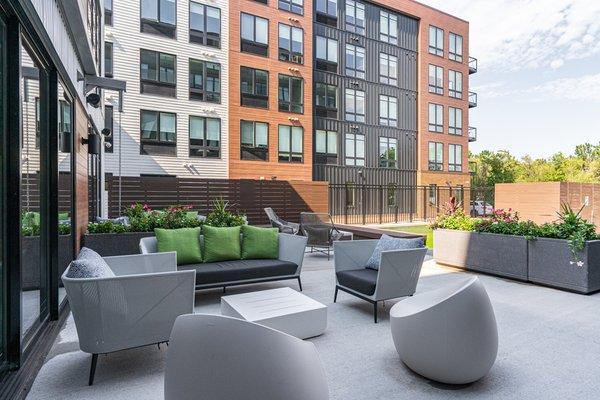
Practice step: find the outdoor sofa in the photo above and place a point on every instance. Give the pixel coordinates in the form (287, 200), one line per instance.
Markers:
(240, 272)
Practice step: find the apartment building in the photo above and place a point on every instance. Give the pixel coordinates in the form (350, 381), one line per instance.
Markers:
(174, 118)
(270, 86)
(391, 94)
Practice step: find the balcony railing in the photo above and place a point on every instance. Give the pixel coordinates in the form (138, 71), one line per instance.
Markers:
(472, 65)
(472, 99)
(472, 134)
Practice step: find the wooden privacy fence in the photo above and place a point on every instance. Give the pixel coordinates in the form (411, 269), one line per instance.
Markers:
(287, 198)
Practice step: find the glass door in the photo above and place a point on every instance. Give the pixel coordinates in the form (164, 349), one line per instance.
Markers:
(3, 294)
(34, 271)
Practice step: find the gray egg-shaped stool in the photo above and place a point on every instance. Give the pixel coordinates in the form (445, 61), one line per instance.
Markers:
(448, 335)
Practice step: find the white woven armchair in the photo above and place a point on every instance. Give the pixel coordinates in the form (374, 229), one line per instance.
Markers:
(136, 307)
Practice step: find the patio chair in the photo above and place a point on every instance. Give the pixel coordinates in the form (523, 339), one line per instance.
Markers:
(222, 358)
(321, 232)
(135, 305)
(397, 275)
(284, 226)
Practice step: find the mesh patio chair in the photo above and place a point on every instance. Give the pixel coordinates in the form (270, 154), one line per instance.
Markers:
(321, 232)
(284, 226)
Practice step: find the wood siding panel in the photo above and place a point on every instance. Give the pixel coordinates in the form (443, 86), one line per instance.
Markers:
(81, 174)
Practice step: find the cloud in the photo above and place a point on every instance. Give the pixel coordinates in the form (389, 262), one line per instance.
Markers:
(583, 88)
(528, 34)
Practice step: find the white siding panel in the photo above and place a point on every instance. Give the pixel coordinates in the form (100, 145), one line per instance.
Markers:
(127, 41)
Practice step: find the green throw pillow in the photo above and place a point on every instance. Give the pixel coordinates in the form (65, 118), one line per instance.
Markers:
(260, 243)
(185, 241)
(221, 244)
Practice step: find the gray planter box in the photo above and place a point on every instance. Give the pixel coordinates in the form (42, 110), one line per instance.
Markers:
(115, 244)
(552, 263)
(30, 248)
(502, 255)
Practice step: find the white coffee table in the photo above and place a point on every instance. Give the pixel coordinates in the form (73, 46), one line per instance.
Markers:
(283, 309)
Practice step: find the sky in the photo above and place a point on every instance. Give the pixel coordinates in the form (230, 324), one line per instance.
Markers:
(538, 82)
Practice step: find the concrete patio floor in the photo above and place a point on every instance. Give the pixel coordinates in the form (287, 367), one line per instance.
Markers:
(549, 347)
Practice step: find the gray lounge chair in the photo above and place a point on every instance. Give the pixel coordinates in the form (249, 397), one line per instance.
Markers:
(134, 308)
(284, 226)
(222, 358)
(397, 276)
(321, 232)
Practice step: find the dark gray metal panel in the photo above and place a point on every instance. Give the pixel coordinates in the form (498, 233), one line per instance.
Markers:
(335, 174)
(405, 92)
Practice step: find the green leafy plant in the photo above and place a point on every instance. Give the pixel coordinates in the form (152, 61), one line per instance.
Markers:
(453, 217)
(106, 227)
(221, 216)
(574, 229)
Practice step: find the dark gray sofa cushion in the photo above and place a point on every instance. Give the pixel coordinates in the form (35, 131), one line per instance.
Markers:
(362, 280)
(240, 270)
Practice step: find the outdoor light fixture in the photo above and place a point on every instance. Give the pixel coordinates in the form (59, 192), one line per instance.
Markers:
(93, 141)
(93, 99)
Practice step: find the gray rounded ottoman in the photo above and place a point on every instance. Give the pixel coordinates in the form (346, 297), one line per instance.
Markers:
(448, 335)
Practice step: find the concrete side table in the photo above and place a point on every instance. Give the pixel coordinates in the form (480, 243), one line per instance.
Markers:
(283, 309)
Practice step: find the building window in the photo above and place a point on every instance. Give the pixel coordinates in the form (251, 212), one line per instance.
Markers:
(355, 105)
(327, 12)
(108, 12)
(455, 47)
(436, 79)
(351, 194)
(290, 143)
(255, 35)
(108, 59)
(388, 110)
(326, 100)
(295, 6)
(355, 61)
(433, 194)
(157, 73)
(436, 117)
(291, 46)
(291, 94)
(454, 121)
(355, 149)
(436, 156)
(109, 124)
(436, 41)
(455, 84)
(158, 132)
(254, 87)
(388, 152)
(254, 140)
(355, 17)
(205, 81)
(205, 25)
(205, 137)
(388, 27)
(158, 17)
(326, 147)
(454, 158)
(326, 54)
(388, 69)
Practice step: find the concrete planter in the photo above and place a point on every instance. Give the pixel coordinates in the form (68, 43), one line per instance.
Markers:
(551, 263)
(502, 255)
(115, 244)
(30, 248)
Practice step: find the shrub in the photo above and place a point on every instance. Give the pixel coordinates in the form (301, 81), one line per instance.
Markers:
(453, 217)
(221, 216)
(106, 227)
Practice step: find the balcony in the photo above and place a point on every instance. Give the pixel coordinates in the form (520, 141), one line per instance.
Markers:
(472, 99)
(472, 65)
(472, 134)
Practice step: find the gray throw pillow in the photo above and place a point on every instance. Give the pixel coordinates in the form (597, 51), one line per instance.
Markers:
(89, 264)
(390, 243)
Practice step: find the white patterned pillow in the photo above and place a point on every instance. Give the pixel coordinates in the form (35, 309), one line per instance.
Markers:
(89, 264)
(390, 243)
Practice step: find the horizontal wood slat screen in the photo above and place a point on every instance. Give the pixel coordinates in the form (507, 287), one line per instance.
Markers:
(287, 198)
